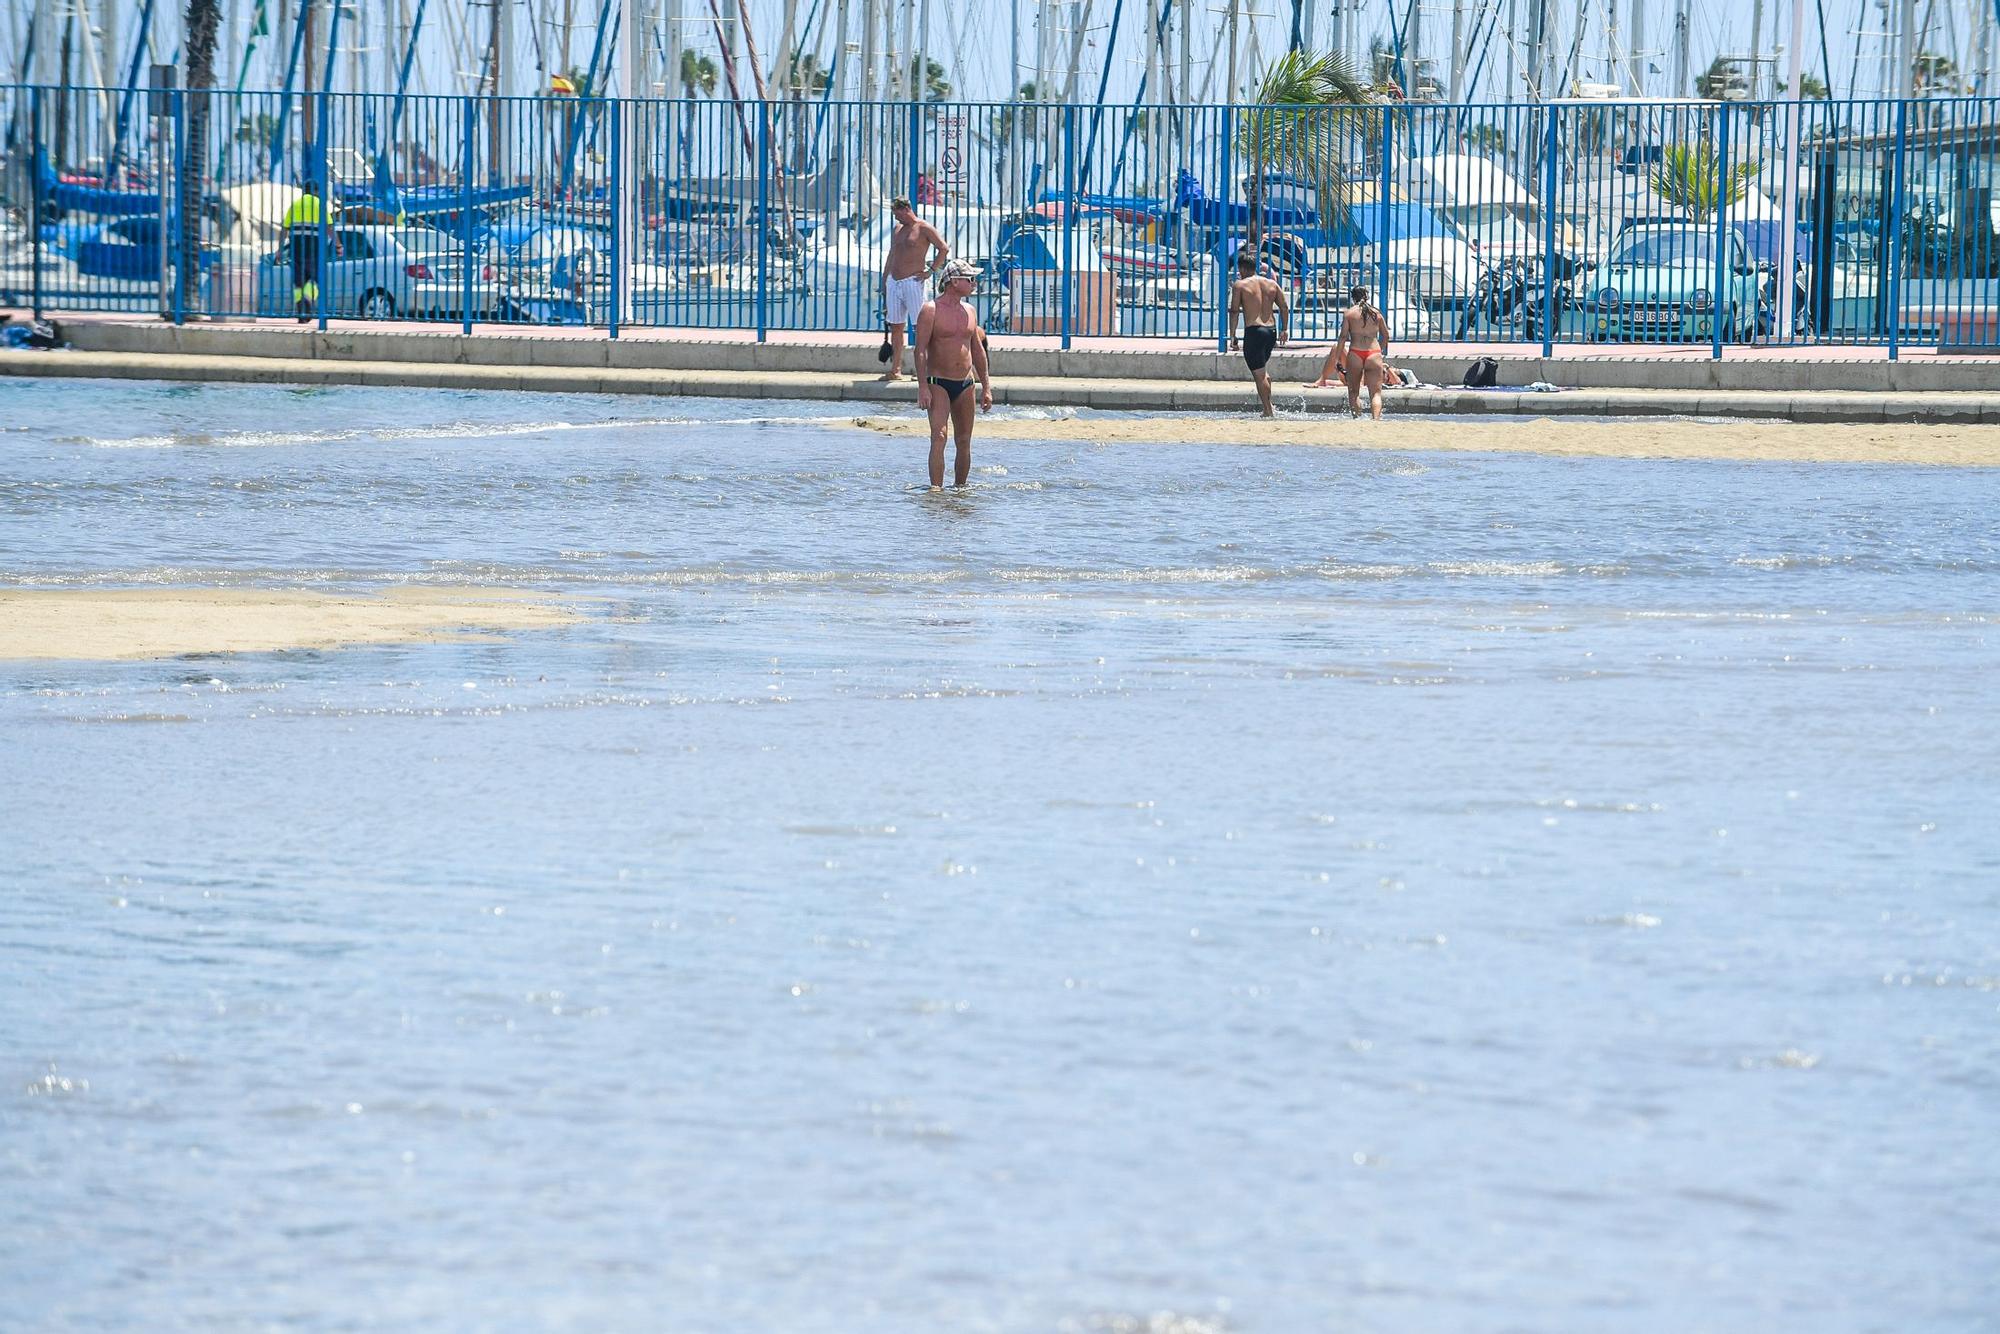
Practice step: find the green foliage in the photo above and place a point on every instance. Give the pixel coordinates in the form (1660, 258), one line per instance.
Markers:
(937, 88)
(1813, 88)
(808, 79)
(1722, 81)
(1938, 76)
(1689, 177)
(1306, 106)
(699, 74)
(256, 129)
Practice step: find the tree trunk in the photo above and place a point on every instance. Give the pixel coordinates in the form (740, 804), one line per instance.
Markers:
(204, 20)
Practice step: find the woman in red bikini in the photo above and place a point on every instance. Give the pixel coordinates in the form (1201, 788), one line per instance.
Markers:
(1361, 353)
(1366, 339)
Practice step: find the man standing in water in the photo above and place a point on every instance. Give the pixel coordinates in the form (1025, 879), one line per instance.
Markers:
(1266, 313)
(951, 359)
(904, 270)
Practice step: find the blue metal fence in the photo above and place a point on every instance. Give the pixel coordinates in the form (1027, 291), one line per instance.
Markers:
(1696, 224)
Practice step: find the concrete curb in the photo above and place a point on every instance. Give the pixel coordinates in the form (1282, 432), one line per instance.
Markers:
(527, 349)
(1112, 395)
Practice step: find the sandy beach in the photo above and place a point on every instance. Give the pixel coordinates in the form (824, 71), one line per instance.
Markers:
(1750, 441)
(120, 623)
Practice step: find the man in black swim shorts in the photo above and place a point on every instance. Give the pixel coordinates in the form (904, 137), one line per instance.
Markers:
(951, 364)
(1262, 306)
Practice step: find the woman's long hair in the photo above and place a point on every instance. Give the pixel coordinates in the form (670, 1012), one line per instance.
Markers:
(1359, 297)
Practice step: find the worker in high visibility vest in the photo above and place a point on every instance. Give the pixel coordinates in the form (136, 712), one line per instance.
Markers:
(302, 222)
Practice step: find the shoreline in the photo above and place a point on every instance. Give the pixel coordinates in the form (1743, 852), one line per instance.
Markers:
(1181, 396)
(126, 624)
(1913, 444)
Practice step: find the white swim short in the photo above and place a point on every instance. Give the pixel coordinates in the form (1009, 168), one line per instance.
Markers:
(905, 300)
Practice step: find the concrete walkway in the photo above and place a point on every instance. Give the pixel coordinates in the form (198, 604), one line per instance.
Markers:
(1043, 391)
(1153, 379)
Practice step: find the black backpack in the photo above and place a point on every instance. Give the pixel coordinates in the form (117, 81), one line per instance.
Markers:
(1483, 374)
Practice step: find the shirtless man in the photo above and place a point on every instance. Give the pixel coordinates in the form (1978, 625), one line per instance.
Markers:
(904, 270)
(1266, 313)
(951, 358)
(1361, 353)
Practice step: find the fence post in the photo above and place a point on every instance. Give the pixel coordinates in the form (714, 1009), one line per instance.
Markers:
(617, 202)
(1225, 191)
(178, 275)
(1382, 216)
(35, 222)
(470, 122)
(1724, 271)
(323, 182)
(915, 119)
(1551, 167)
(1894, 226)
(763, 236)
(1067, 283)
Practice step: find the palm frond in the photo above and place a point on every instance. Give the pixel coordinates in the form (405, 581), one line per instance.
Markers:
(1304, 122)
(1689, 176)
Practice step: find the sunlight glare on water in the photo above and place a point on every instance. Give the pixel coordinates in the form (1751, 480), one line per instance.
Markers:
(1185, 887)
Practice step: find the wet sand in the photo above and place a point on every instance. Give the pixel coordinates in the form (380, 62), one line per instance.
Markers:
(1787, 442)
(113, 623)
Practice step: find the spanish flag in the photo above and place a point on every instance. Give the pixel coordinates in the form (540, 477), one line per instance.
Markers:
(562, 86)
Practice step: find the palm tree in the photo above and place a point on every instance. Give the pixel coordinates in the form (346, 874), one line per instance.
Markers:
(1487, 137)
(204, 21)
(1937, 75)
(1006, 119)
(1687, 177)
(1307, 107)
(698, 74)
(937, 88)
(807, 78)
(1722, 82)
(1813, 88)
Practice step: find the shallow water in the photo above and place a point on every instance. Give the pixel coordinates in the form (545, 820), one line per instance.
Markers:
(1284, 888)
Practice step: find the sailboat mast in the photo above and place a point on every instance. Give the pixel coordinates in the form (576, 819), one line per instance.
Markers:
(1456, 93)
(1635, 52)
(1906, 51)
(1235, 11)
(1042, 50)
(673, 21)
(903, 69)
(1682, 88)
(1756, 48)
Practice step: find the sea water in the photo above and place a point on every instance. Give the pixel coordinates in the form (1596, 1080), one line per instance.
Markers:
(1192, 887)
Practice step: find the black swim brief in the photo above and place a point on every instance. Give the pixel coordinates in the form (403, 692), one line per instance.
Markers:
(1258, 342)
(952, 388)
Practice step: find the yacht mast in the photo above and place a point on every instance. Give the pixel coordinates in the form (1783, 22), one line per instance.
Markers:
(1635, 52)
(1456, 87)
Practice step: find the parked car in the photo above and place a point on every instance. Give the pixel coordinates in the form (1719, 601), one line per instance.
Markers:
(384, 273)
(1664, 284)
(128, 250)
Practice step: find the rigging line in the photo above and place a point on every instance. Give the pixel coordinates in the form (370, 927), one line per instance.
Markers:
(1097, 113)
(729, 78)
(1399, 34)
(1479, 68)
(1575, 49)
(1825, 59)
(1132, 120)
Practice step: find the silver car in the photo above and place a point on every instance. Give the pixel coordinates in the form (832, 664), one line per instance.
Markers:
(385, 273)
